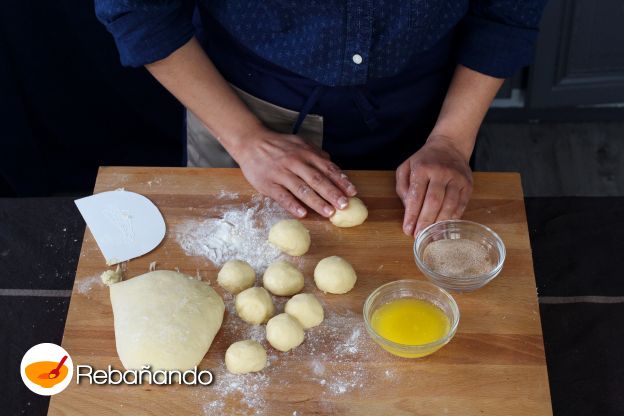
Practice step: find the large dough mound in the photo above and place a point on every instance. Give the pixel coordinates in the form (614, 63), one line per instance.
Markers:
(164, 319)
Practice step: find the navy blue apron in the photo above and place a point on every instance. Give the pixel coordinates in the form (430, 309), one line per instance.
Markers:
(373, 126)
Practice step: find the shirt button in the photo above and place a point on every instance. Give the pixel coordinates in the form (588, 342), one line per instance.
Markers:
(357, 59)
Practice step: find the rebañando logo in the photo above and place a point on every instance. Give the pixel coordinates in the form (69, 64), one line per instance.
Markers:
(47, 369)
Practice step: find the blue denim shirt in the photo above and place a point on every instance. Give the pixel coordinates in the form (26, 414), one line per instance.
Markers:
(346, 42)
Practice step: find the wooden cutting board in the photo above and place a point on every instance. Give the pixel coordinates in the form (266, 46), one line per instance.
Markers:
(495, 365)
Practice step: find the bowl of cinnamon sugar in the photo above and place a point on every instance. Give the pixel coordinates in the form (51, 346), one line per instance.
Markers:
(459, 255)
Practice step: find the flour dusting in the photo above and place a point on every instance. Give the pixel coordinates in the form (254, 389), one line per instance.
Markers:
(86, 284)
(335, 351)
(234, 231)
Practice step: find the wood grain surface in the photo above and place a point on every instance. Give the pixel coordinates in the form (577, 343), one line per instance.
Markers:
(495, 365)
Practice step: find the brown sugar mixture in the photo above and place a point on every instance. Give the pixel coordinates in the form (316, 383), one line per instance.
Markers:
(457, 258)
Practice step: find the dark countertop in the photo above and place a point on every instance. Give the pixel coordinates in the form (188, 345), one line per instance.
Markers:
(576, 244)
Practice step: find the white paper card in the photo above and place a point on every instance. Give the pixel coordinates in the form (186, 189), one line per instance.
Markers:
(124, 224)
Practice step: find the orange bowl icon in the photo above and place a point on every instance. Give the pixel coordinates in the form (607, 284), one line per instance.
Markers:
(43, 374)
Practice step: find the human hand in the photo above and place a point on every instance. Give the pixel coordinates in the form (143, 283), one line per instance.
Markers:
(435, 184)
(293, 173)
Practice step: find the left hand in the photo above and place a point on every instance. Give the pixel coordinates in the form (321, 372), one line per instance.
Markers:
(435, 184)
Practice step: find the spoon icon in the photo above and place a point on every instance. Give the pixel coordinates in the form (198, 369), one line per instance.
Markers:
(54, 373)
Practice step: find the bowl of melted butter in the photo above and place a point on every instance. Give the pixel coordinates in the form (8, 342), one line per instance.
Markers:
(411, 318)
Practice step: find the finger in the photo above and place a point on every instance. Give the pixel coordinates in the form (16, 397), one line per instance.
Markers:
(402, 181)
(431, 206)
(464, 197)
(450, 204)
(336, 175)
(321, 185)
(414, 198)
(306, 194)
(287, 201)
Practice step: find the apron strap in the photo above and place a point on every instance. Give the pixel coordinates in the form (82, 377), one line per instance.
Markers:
(366, 105)
(307, 107)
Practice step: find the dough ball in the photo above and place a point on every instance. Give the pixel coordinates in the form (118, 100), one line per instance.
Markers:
(354, 214)
(334, 275)
(236, 275)
(284, 332)
(306, 308)
(245, 357)
(291, 237)
(282, 279)
(254, 305)
(164, 319)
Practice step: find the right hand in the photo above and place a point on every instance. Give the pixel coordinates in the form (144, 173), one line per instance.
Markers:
(291, 172)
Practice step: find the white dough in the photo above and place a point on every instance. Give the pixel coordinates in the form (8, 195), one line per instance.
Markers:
(306, 308)
(254, 305)
(164, 319)
(284, 332)
(291, 237)
(354, 214)
(245, 357)
(334, 275)
(236, 275)
(282, 279)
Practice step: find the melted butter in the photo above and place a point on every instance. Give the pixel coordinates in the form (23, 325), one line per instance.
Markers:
(410, 321)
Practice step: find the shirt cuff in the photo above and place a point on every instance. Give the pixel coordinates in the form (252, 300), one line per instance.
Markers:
(146, 37)
(493, 48)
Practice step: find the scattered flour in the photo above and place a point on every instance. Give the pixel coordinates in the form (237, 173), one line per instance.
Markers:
(85, 285)
(234, 231)
(247, 388)
(335, 351)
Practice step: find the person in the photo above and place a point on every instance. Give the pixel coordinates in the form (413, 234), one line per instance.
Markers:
(291, 90)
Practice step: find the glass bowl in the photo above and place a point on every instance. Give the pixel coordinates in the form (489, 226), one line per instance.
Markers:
(461, 229)
(414, 289)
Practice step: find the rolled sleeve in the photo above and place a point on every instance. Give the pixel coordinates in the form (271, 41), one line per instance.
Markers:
(499, 38)
(146, 31)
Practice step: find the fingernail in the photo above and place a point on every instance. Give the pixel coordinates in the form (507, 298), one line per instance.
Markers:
(328, 211)
(343, 202)
(351, 189)
(301, 212)
(343, 176)
(408, 228)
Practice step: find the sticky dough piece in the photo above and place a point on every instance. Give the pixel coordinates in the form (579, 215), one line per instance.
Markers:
(164, 319)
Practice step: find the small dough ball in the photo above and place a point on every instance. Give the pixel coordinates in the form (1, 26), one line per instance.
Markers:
(245, 357)
(282, 279)
(306, 308)
(291, 237)
(254, 305)
(284, 332)
(236, 275)
(354, 214)
(334, 275)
